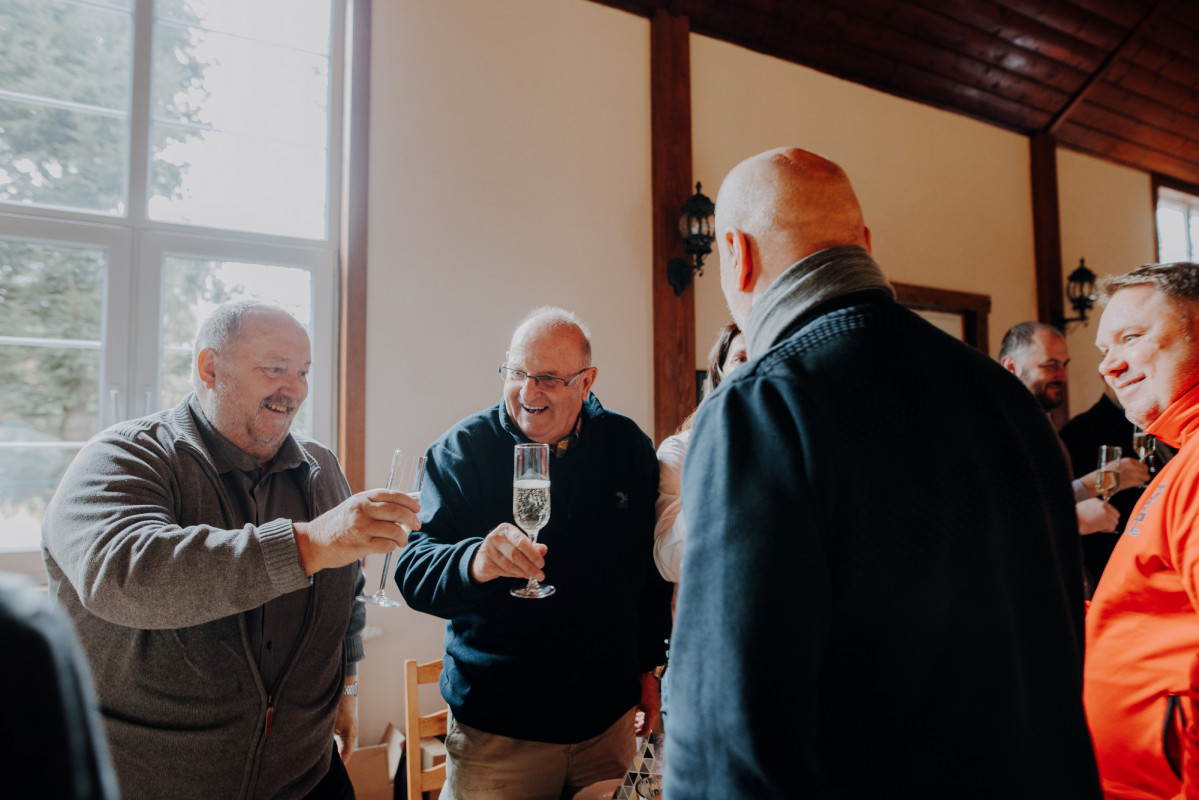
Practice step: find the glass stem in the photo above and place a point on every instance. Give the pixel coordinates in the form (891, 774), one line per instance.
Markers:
(533, 585)
(383, 577)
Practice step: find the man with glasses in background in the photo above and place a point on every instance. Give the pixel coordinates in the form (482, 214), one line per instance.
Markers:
(546, 694)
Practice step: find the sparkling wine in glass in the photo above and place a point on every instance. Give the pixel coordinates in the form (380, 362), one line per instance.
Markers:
(1107, 479)
(1146, 447)
(531, 502)
(407, 475)
(1140, 442)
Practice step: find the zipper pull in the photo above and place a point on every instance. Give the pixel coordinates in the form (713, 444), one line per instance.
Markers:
(270, 716)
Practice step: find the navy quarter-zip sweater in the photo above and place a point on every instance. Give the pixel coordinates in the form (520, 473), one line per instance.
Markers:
(561, 669)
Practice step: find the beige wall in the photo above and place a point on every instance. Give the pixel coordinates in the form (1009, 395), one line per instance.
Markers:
(510, 168)
(1107, 218)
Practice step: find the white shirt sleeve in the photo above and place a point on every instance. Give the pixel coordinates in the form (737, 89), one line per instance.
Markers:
(669, 529)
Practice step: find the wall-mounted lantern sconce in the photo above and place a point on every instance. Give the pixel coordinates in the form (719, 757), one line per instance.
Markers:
(697, 226)
(1080, 290)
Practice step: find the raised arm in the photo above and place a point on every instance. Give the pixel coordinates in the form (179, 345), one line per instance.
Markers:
(143, 542)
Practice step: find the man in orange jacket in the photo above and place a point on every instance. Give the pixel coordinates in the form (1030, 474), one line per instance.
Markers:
(1142, 652)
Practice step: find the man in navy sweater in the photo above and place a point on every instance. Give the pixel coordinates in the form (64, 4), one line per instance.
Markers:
(546, 694)
(880, 593)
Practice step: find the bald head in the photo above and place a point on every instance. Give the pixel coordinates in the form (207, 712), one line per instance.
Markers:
(548, 343)
(556, 323)
(778, 207)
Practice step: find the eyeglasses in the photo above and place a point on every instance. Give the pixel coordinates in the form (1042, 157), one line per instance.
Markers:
(540, 381)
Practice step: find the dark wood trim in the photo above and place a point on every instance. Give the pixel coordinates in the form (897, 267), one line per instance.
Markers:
(1046, 227)
(975, 309)
(670, 146)
(1119, 52)
(1166, 181)
(351, 355)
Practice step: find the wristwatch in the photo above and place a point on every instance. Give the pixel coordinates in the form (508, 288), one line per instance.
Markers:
(350, 688)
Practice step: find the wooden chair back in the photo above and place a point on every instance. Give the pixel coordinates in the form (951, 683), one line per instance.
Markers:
(418, 727)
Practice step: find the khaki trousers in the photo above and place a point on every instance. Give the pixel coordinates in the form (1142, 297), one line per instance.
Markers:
(484, 766)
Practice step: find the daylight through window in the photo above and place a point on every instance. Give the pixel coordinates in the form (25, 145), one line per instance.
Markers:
(157, 157)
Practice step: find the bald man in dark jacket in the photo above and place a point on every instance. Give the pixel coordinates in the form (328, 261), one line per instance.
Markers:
(880, 592)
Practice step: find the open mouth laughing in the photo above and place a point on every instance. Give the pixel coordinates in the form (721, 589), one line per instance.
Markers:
(278, 406)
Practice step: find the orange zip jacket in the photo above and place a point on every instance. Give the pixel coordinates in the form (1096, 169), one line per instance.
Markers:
(1141, 681)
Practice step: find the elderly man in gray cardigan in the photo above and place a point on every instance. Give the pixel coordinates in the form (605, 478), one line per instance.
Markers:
(208, 558)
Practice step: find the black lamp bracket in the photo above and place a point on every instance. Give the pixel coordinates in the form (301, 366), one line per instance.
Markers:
(679, 273)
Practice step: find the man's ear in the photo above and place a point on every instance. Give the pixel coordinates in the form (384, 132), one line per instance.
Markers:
(1009, 363)
(869, 245)
(206, 367)
(745, 274)
(588, 380)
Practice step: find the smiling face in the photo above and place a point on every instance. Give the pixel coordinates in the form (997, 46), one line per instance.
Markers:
(540, 347)
(253, 388)
(1041, 366)
(1150, 352)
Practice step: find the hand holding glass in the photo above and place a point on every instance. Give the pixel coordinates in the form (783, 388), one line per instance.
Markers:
(407, 475)
(531, 502)
(1107, 479)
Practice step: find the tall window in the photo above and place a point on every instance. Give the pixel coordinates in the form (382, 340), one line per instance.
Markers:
(1177, 225)
(157, 157)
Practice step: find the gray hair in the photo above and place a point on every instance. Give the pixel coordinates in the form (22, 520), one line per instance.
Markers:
(1020, 337)
(223, 326)
(558, 319)
(1178, 281)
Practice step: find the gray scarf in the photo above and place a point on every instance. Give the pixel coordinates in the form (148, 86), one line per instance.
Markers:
(807, 283)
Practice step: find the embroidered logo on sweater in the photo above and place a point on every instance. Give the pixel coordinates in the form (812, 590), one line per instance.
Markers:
(622, 500)
(1135, 528)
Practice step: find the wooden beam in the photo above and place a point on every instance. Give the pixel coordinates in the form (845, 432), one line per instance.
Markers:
(1047, 233)
(670, 146)
(1118, 52)
(351, 341)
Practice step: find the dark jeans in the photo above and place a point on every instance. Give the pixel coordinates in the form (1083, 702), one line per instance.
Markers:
(336, 783)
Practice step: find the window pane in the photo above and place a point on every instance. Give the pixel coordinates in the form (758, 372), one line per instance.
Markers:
(53, 391)
(51, 291)
(64, 105)
(30, 468)
(1171, 232)
(51, 300)
(285, 183)
(297, 24)
(192, 288)
(1194, 217)
(241, 115)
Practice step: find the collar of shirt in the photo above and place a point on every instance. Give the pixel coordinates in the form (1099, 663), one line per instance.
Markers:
(571, 440)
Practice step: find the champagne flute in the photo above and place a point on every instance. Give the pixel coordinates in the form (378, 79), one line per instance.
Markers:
(1141, 442)
(407, 475)
(1146, 447)
(531, 502)
(1107, 479)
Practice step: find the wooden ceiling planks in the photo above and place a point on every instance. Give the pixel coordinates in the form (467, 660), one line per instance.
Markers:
(1116, 79)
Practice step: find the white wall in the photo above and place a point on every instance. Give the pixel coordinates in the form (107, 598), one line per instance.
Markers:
(946, 198)
(509, 168)
(1107, 218)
